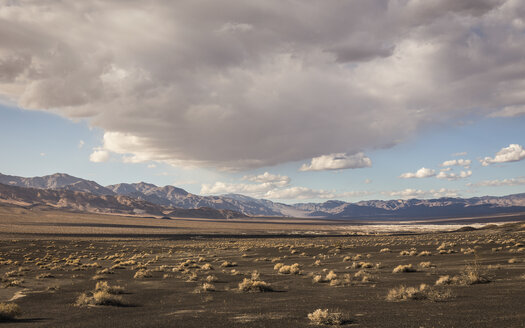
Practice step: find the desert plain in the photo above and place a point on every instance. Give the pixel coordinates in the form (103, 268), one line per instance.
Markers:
(67, 269)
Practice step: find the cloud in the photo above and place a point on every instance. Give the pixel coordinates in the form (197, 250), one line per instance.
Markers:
(80, 144)
(457, 162)
(418, 193)
(498, 183)
(263, 183)
(236, 188)
(239, 85)
(512, 153)
(273, 186)
(42, 154)
(278, 180)
(337, 161)
(99, 155)
(510, 111)
(299, 193)
(453, 176)
(368, 181)
(265, 190)
(421, 173)
(463, 153)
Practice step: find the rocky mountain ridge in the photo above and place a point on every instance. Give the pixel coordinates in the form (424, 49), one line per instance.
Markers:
(89, 202)
(171, 196)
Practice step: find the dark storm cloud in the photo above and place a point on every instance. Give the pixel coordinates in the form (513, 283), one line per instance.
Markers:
(242, 84)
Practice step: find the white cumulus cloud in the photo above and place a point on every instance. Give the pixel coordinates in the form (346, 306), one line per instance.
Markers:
(337, 161)
(99, 155)
(266, 177)
(498, 183)
(421, 173)
(453, 176)
(512, 153)
(418, 193)
(457, 162)
(299, 193)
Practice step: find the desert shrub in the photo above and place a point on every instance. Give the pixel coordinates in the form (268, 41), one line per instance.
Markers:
(385, 250)
(336, 282)
(404, 268)
(403, 293)
(228, 264)
(105, 271)
(324, 317)
(45, 276)
(98, 277)
(250, 285)
(205, 287)
(471, 275)
(211, 278)
(290, 269)
(512, 261)
(10, 282)
(331, 275)
(206, 267)
(444, 280)
(141, 274)
(426, 265)
(318, 278)
(423, 292)
(468, 251)
(474, 274)
(445, 245)
(424, 253)
(9, 311)
(438, 295)
(104, 286)
(101, 297)
(363, 275)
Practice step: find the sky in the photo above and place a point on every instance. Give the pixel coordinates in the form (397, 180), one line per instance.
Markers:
(282, 100)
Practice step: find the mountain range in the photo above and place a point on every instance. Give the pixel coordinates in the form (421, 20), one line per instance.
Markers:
(68, 191)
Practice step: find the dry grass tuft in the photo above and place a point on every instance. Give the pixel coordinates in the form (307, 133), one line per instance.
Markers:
(404, 268)
(9, 311)
(104, 286)
(141, 274)
(99, 298)
(289, 269)
(205, 287)
(426, 265)
(251, 285)
(324, 317)
(424, 292)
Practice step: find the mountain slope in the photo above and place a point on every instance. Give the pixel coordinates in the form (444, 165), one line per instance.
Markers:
(88, 202)
(56, 181)
(177, 197)
(170, 196)
(418, 208)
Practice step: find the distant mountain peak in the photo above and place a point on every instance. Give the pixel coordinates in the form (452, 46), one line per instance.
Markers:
(179, 198)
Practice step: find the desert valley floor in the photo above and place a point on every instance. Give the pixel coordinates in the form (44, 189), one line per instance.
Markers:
(87, 270)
